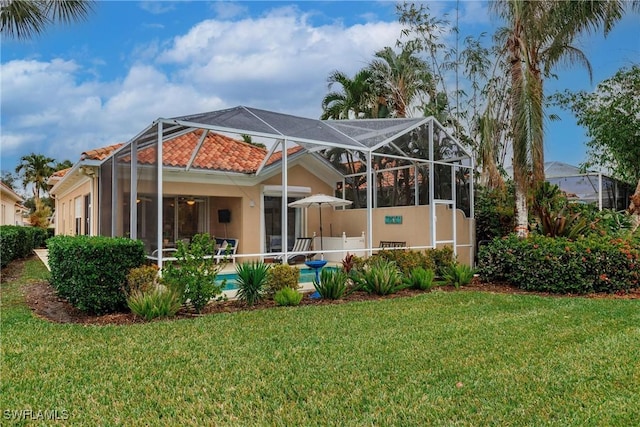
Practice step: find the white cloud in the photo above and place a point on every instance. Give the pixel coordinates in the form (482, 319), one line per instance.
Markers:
(157, 7)
(278, 61)
(228, 9)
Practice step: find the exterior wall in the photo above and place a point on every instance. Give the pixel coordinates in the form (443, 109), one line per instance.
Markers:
(415, 228)
(8, 208)
(66, 209)
(244, 204)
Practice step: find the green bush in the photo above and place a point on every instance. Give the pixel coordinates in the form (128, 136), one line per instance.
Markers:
(287, 297)
(251, 281)
(420, 279)
(333, 283)
(282, 276)
(458, 274)
(438, 259)
(18, 242)
(142, 279)
(494, 212)
(90, 272)
(381, 277)
(193, 276)
(560, 265)
(154, 302)
(408, 260)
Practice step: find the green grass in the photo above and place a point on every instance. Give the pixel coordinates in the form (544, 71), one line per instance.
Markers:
(522, 360)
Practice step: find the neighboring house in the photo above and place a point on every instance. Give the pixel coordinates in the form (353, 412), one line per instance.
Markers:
(210, 182)
(12, 210)
(74, 190)
(589, 186)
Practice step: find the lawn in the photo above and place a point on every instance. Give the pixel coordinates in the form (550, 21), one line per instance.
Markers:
(443, 358)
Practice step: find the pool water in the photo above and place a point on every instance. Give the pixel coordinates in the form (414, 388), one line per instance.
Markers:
(306, 276)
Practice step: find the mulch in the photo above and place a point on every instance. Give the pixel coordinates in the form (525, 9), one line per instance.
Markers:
(46, 304)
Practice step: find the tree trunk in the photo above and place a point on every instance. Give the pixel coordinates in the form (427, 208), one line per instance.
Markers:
(522, 215)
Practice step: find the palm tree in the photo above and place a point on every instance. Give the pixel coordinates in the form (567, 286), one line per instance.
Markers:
(21, 19)
(35, 169)
(538, 37)
(354, 101)
(401, 78)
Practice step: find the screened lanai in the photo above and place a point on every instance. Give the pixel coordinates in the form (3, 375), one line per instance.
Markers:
(589, 186)
(384, 166)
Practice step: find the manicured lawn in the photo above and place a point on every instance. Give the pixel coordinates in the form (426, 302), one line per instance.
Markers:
(444, 358)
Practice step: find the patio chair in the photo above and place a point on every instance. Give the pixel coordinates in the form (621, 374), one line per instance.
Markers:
(303, 244)
(225, 249)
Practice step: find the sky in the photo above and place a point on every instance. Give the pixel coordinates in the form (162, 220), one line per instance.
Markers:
(98, 82)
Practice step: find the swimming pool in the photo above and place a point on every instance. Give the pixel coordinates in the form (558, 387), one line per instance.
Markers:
(306, 276)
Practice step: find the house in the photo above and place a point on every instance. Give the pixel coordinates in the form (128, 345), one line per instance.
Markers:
(11, 207)
(212, 181)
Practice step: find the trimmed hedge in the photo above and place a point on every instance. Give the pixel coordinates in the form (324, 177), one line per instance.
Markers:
(559, 265)
(91, 271)
(408, 260)
(18, 242)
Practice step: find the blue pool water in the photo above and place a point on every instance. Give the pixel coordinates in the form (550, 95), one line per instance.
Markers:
(306, 276)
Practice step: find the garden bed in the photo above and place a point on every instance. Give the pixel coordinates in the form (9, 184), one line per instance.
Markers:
(45, 303)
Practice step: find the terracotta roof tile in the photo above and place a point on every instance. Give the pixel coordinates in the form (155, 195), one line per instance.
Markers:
(218, 152)
(60, 173)
(100, 153)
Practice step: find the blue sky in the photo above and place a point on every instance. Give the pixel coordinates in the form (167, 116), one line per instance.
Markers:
(102, 81)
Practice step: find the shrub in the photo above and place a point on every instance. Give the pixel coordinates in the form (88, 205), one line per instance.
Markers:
(552, 219)
(252, 278)
(408, 260)
(438, 259)
(458, 274)
(333, 283)
(494, 213)
(420, 279)
(142, 279)
(90, 271)
(405, 260)
(282, 276)
(153, 303)
(287, 297)
(382, 278)
(18, 242)
(193, 276)
(349, 262)
(539, 263)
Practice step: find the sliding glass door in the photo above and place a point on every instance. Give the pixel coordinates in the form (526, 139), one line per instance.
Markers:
(273, 224)
(183, 217)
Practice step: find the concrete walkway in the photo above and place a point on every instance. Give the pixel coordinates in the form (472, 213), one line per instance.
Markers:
(43, 254)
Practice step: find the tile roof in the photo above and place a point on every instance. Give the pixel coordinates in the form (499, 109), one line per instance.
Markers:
(100, 153)
(218, 152)
(60, 173)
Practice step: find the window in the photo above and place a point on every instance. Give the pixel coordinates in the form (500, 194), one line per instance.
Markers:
(78, 215)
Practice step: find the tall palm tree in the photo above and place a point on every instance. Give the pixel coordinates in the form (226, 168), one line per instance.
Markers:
(402, 78)
(22, 19)
(539, 36)
(355, 100)
(35, 169)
